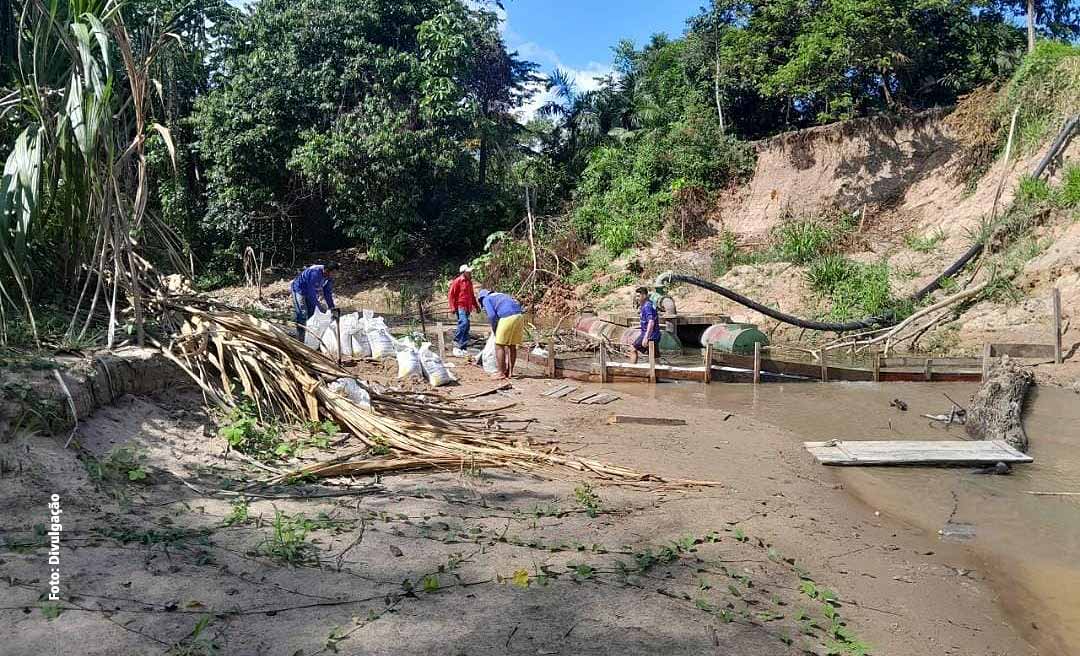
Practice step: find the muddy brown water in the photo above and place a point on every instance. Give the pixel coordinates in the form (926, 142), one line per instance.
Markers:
(1028, 544)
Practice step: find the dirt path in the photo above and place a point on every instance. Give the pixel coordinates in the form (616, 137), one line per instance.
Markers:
(477, 561)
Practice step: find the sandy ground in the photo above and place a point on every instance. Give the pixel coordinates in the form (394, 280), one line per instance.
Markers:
(479, 561)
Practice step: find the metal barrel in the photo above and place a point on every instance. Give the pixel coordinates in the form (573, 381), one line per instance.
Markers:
(733, 337)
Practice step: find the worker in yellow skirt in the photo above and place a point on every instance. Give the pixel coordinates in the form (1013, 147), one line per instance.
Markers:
(508, 326)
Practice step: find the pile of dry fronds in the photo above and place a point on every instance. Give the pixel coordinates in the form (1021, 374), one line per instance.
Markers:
(225, 349)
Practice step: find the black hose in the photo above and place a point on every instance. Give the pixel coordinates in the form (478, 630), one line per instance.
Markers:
(883, 321)
(976, 248)
(861, 324)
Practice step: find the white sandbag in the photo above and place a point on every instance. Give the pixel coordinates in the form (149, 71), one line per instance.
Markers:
(361, 348)
(349, 388)
(436, 372)
(408, 361)
(315, 327)
(379, 337)
(350, 327)
(487, 357)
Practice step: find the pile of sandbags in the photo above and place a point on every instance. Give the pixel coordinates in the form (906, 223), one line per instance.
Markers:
(366, 336)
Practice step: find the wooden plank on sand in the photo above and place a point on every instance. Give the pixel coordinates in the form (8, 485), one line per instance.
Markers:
(566, 391)
(584, 397)
(602, 399)
(555, 390)
(914, 452)
(649, 421)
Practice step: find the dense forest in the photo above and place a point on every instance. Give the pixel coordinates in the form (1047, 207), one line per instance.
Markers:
(186, 131)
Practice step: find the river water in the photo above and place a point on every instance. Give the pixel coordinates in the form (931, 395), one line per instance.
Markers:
(1030, 544)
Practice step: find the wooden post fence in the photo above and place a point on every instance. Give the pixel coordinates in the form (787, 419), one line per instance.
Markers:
(603, 363)
(707, 377)
(652, 361)
(1057, 326)
(757, 362)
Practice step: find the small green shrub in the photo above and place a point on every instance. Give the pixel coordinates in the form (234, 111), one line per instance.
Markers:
(726, 255)
(925, 243)
(827, 273)
(1067, 196)
(854, 289)
(122, 465)
(1032, 191)
(288, 542)
(801, 241)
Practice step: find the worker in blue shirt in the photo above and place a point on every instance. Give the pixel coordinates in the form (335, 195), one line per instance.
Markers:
(508, 326)
(306, 287)
(650, 325)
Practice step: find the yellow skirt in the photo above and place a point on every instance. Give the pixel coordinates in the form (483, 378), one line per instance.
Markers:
(510, 331)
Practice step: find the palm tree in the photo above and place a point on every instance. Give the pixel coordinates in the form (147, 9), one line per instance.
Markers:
(79, 168)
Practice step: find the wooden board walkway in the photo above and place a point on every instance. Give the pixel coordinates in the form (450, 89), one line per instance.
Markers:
(586, 398)
(914, 452)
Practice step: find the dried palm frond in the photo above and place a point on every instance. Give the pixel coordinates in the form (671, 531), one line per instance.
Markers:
(227, 352)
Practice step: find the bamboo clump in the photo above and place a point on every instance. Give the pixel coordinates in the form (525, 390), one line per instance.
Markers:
(227, 352)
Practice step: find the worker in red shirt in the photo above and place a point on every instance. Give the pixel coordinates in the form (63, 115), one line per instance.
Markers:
(462, 303)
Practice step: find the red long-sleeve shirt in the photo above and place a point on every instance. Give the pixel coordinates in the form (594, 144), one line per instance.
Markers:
(461, 295)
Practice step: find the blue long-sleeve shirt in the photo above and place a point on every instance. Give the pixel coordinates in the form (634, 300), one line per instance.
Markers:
(310, 283)
(498, 306)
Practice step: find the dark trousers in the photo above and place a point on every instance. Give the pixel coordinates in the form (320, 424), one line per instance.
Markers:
(461, 337)
(304, 309)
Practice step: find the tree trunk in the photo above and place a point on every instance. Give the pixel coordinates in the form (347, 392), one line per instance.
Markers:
(997, 409)
(1031, 24)
(716, 91)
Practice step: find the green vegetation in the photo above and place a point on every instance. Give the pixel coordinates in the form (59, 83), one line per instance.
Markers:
(288, 542)
(122, 465)
(588, 499)
(267, 440)
(925, 243)
(854, 289)
(390, 127)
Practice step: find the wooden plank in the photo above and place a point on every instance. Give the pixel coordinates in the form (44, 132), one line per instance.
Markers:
(987, 354)
(910, 361)
(601, 399)
(652, 361)
(929, 369)
(441, 333)
(567, 391)
(707, 376)
(877, 367)
(914, 452)
(558, 388)
(584, 397)
(603, 363)
(551, 359)
(1040, 351)
(648, 421)
(1057, 325)
(824, 366)
(757, 362)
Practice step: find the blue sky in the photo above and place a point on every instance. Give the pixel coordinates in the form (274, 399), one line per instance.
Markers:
(577, 35)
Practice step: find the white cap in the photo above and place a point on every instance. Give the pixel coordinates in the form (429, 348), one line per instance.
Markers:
(465, 268)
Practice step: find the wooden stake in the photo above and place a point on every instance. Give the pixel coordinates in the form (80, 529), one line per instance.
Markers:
(442, 339)
(603, 363)
(987, 350)
(929, 369)
(877, 367)
(551, 359)
(707, 377)
(757, 362)
(648, 421)
(824, 366)
(652, 361)
(1057, 326)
